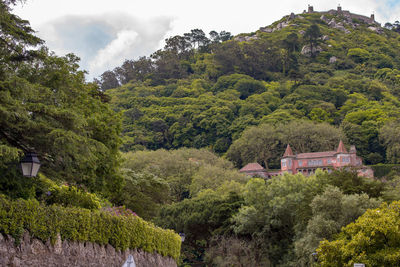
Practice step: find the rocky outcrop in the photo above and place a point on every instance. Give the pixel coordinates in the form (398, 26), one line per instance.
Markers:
(266, 29)
(306, 50)
(33, 252)
(332, 23)
(378, 30)
(283, 24)
(332, 59)
(325, 38)
(245, 38)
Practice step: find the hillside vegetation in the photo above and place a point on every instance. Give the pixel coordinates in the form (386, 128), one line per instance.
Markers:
(199, 92)
(185, 118)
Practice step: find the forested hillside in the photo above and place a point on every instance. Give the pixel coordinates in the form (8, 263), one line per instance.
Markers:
(205, 92)
(161, 138)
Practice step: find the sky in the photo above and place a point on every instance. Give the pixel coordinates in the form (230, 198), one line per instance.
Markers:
(105, 33)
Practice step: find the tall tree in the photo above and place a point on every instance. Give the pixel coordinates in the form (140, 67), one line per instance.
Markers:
(47, 107)
(311, 36)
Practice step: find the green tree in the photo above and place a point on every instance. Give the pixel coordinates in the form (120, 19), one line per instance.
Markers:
(390, 136)
(373, 240)
(311, 37)
(144, 193)
(331, 211)
(46, 106)
(291, 42)
(200, 218)
(266, 143)
(359, 55)
(273, 210)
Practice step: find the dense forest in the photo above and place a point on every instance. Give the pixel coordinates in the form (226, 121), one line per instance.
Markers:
(309, 80)
(162, 138)
(204, 91)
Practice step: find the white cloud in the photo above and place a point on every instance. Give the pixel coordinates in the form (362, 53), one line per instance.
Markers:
(115, 52)
(104, 41)
(93, 29)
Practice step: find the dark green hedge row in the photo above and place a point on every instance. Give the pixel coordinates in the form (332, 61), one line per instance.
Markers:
(122, 232)
(381, 170)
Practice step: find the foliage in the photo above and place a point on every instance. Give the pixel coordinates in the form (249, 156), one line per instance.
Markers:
(382, 170)
(119, 211)
(175, 175)
(77, 224)
(266, 143)
(390, 136)
(359, 55)
(373, 240)
(285, 211)
(211, 93)
(71, 196)
(311, 36)
(274, 210)
(46, 106)
(331, 211)
(144, 193)
(349, 182)
(201, 217)
(232, 251)
(50, 192)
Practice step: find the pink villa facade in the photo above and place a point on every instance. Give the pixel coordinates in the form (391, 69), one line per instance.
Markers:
(308, 163)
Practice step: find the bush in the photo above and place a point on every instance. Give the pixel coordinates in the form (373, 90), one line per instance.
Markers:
(77, 224)
(66, 195)
(372, 239)
(359, 55)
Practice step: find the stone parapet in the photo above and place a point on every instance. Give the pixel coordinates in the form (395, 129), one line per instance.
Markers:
(33, 252)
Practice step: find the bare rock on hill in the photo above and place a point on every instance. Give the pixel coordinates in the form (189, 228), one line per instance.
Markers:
(306, 50)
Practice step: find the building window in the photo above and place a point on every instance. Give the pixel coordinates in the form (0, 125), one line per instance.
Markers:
(300, 163)
(290, 163)
(329, 161)
(315, 162)
(345, 159)
(284, 163)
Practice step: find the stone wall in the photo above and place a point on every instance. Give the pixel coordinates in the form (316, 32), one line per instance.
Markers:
(33, 252)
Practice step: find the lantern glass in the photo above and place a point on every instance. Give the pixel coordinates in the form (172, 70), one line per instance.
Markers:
(182, 235)
(30, 165)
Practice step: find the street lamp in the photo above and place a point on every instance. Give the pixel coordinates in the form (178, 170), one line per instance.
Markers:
(182, 235)
(30, 165)
(315, 256)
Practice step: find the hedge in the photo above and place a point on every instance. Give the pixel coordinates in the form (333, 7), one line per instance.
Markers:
(122, 232)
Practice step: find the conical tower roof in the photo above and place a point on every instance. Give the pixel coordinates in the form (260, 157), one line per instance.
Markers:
(341, 148)
(288, 152)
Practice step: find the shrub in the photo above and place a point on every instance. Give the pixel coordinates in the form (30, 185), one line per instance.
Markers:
(121, 232)
(67, 195)
(359, 55)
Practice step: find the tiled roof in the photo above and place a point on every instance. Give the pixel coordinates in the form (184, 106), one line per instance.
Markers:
(316, 155)
(252, 167)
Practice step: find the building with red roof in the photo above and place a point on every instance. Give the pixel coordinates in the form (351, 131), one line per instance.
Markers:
(308, 163)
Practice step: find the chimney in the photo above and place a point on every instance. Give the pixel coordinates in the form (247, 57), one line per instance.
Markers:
(339, 9)
(373, 17)
(310, 9)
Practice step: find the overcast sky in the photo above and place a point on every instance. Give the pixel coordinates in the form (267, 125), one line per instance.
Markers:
(105, 33)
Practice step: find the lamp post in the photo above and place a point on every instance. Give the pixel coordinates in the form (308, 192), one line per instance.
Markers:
(30, 165)
(182, 235)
